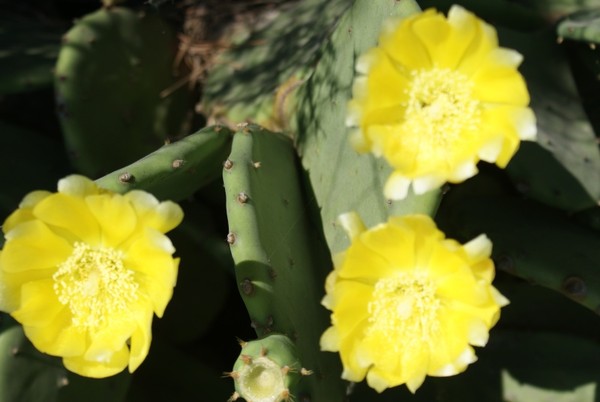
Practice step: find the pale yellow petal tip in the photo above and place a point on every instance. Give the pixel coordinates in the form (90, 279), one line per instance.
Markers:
(389, 26)
(358, 141)
(463, 171)
(159, 241)
(330, 281)
(327, 302)
(456, 10)
(365, 61)
(527, 125)
(351, 223)
(377, 382)
(172, 214)
(479, 248)
(414, 383)
(142, 199)
(353, 114)
(33, 198)
(77, 185)
(396, 187)
(446, 371)
(499, 298)
(507, 57)
(359, 89)
(351, 375)
(490, 151)
(458, 15)
(338, 259)
(424, 184)
(478, 333)
(467, 357)
(459, 365)
(330, 340)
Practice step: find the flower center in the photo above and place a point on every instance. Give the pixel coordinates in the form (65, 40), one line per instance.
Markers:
(404, 307)
(94, 284)
(441, 105)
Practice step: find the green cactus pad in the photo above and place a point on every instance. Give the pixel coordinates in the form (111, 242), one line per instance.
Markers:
(538, 174)
(176, 170)
(256, 73)
(111, 74)
(343, 180)
(553, 10)
(583, 25)
(280, 267)
(28, 53)
(532, 242)
(566, 144)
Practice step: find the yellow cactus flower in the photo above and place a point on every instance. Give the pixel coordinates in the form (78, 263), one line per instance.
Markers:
(436, 96)
(84, 270)
(406, 302)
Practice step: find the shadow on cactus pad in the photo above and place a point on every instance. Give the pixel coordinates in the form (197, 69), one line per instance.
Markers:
(114, 89)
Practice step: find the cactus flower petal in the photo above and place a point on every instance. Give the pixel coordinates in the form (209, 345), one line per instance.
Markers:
(84, 270)
(407, 303)
(436, 96)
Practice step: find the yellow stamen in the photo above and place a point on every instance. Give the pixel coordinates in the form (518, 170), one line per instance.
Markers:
(404, 307)
(441, 106)
(94, 284)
